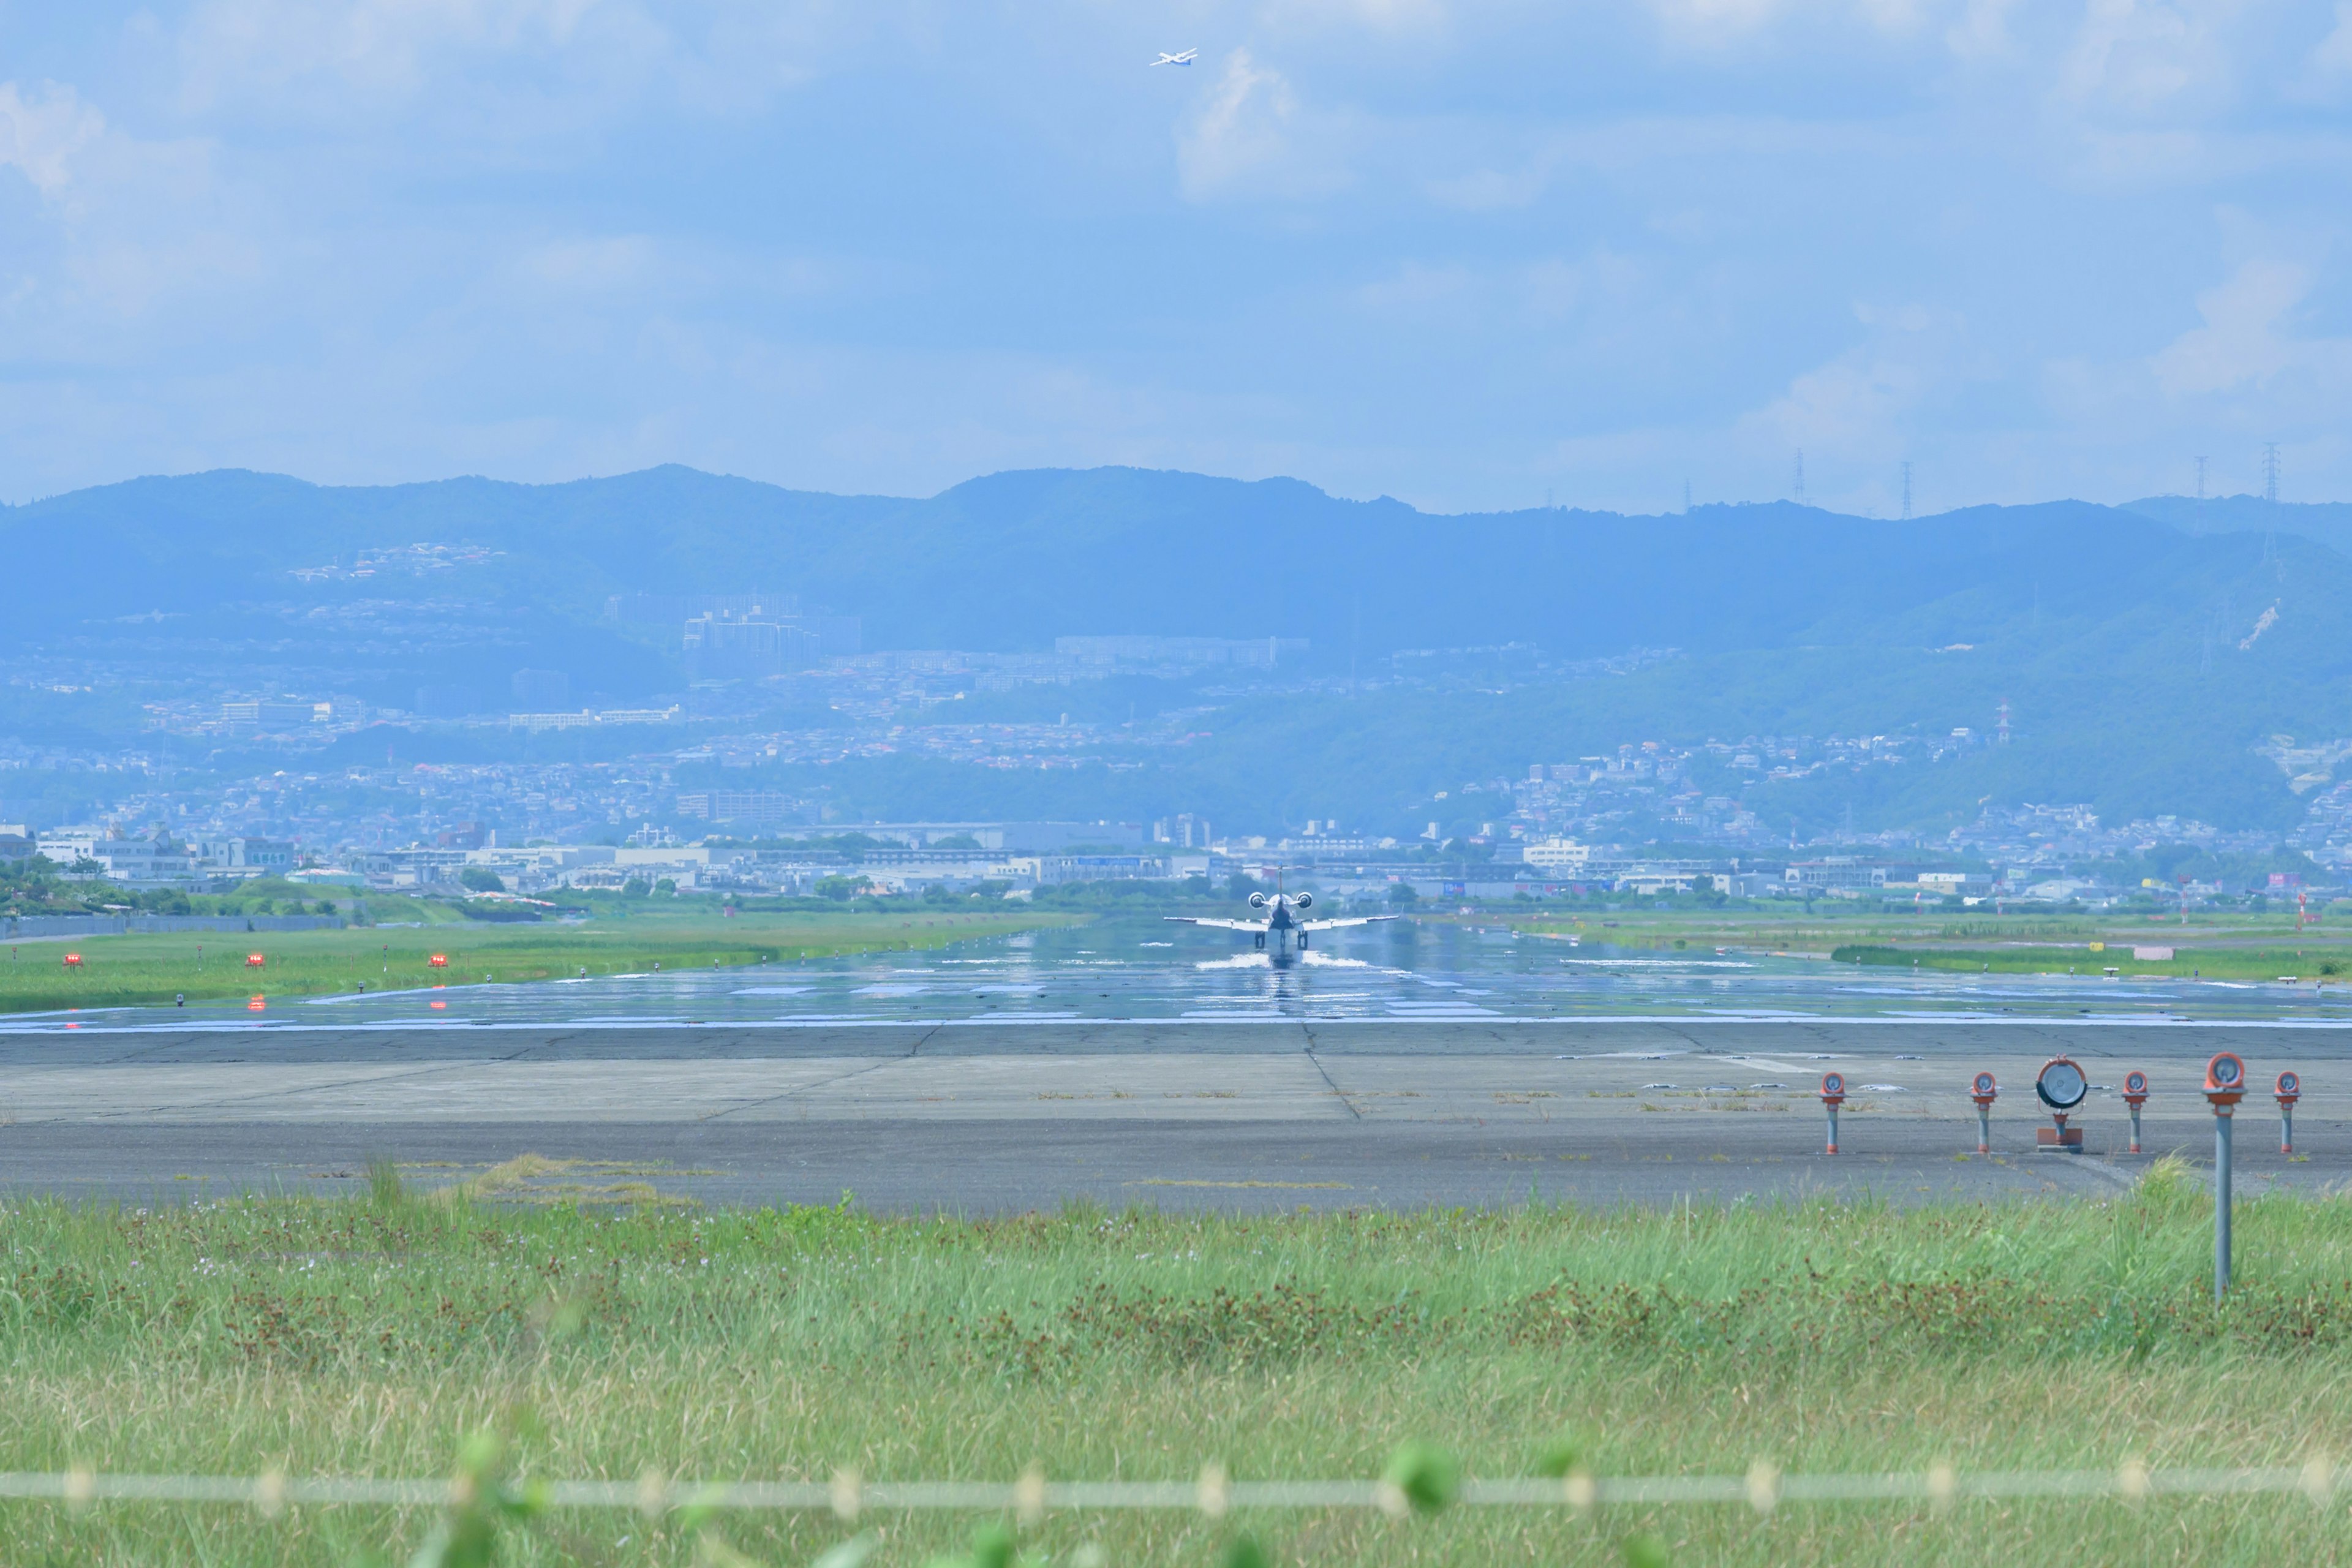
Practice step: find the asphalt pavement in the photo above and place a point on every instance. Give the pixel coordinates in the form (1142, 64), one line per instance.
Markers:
(984, 1116)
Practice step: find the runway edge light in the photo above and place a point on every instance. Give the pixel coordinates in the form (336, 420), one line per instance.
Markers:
(2225, 1085)
(2134, 1096)
(1984, 1091)
(1833, 1095)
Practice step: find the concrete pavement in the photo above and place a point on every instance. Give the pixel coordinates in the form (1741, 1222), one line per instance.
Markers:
(993, 1116)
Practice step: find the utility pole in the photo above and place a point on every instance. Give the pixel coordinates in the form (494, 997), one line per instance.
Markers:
(1906, 493)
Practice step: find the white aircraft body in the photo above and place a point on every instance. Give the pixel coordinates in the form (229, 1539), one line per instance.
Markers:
(1186, 59)
(1281, 925)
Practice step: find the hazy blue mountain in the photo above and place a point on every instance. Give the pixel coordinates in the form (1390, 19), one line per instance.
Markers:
(1013, 559)
(2115, 633)
(2329, 522)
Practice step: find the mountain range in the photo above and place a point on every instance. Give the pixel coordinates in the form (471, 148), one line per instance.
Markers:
(2146, 651)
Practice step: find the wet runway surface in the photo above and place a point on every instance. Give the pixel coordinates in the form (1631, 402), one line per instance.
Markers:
(924, 1082)
(1144, 970)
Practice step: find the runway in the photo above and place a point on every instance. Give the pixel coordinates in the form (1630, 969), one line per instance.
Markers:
(979, 1116)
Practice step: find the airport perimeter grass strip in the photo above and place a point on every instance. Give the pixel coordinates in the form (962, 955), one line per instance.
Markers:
(1762, 1489)
(196, 1381)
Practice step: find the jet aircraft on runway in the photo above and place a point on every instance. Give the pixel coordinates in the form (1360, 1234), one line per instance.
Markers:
(1281, 924)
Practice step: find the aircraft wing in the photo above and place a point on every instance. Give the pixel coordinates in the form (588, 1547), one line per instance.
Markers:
(1221, 925)
(1353, 920)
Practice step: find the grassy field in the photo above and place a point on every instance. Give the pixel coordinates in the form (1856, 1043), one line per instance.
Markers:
(116, 971)
(373, 1336)
(2226, 947)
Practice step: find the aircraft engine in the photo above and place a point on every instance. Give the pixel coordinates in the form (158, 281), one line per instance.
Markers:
(1304, 900)
(1258, 901)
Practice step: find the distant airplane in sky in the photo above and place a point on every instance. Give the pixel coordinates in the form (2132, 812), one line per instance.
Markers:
(1186, 59)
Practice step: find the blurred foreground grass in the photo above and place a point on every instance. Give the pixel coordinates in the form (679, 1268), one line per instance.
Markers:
(125, 971)
(371, 1337)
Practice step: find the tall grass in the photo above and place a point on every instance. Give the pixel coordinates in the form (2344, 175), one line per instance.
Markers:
(371, 1337)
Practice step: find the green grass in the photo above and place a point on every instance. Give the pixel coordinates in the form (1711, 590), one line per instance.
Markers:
(370, 1337)
(2314, 960)
(2230, 945)
(117, 970)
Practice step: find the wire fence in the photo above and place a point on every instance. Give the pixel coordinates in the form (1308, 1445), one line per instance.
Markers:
(1763, 1488)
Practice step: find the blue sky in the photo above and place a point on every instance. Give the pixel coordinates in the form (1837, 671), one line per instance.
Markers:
(1464, 253)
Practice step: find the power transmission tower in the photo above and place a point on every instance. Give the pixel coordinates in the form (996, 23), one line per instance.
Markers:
(1906, 493)
(2200, 478)
(1685, 495)
(2270, 472)
(1800, 475)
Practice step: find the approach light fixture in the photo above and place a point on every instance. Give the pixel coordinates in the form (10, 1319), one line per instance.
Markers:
(2062, 1087)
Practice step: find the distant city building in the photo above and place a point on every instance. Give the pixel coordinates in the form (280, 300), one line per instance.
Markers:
(668, 609)
(1557, 855)
(259, 856)
(144, 860)
(274, 715)
(1263, 653)
(1836, 872)
(718, 649)
(749, 809)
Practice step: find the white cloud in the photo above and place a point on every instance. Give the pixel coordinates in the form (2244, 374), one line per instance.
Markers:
(375, 46)
(535, 62)
(2142, 56)
(2334, 55)
(2241, 341)
(1859, 403)
(1251, 138)
(41, 135)
(1982, 30)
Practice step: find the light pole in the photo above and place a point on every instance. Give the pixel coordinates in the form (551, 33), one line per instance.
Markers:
(2225, 1085)
(1984, 1092)
(2134, 1096)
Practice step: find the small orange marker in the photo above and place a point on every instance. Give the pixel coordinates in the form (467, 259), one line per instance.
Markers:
(254, 961)
(255, 1005)
(73, 961)
(438, 961)
(440, 1004)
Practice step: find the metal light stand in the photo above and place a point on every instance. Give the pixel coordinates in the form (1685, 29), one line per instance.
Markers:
(2225, 1085)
